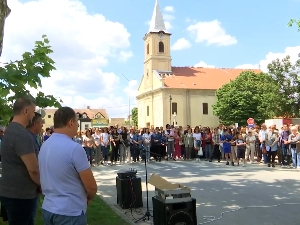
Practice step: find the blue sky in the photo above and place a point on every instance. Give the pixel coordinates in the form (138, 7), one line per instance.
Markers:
(245, 34)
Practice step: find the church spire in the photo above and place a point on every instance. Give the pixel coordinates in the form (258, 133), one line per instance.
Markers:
(157, 23)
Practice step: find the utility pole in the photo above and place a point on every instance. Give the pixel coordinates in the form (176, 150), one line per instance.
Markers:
(170, 98)
(128, 99)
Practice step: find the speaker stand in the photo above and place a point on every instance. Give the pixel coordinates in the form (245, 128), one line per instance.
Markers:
(147, 214)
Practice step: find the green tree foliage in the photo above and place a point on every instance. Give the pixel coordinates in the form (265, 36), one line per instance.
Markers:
(297, 22)
(16, 76)
(134, 113)
(249, 95)
(286, 74)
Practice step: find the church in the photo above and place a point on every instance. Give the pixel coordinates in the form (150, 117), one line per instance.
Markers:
(176, 95)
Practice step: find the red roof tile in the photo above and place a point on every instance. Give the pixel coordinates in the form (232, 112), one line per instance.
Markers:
(202, 78)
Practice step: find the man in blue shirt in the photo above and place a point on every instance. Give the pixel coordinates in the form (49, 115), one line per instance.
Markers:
(137, 141)
(66, 178)
(226, 140)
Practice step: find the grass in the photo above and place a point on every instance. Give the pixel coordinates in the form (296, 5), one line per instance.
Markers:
(98, 213)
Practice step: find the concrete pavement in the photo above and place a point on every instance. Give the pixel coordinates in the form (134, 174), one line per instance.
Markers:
(218, 188)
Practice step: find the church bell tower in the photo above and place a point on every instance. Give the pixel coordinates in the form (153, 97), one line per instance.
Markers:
(157, 46)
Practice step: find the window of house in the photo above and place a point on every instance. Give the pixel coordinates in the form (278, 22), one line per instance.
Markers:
(84, 116)
(49, 116)
(205, 108)
(174, 107)
(148, 50)
(161, 47)
(147, 110)
(86, 126)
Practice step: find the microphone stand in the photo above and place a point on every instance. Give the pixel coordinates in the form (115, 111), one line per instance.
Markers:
(147, 213)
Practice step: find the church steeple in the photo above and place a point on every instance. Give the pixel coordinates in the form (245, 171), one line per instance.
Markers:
(157, 23)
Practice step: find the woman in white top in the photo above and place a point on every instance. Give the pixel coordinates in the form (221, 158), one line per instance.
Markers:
(97, 136)
(147, 141)
(197, 141)
(105, 145)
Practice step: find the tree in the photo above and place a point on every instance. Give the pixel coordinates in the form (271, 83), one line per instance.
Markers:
(286, 74)
(297, 22)
(249, 95)
(4, 12)
(134, 113)
(16, 76)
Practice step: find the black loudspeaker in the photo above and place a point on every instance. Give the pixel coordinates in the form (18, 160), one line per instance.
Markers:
(129, 192)
(174, 213)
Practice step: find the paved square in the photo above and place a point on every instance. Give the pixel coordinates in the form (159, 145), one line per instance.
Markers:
(219, 188)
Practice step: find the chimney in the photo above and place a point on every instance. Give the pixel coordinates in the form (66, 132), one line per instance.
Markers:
(88, 107)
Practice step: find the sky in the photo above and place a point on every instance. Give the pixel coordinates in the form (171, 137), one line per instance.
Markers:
(99, 49)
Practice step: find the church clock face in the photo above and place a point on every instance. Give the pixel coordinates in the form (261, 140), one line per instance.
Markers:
(160, 35)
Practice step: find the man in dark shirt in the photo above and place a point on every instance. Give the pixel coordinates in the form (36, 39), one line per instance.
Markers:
(35, 128)
(20, 171)
(284, 136)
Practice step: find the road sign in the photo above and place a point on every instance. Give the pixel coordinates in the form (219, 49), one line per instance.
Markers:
(250, 121)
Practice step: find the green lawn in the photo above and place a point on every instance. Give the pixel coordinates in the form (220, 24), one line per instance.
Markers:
(98, 213)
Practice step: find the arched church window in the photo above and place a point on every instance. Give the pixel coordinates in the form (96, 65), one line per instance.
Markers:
(147, 49)
(161, 47)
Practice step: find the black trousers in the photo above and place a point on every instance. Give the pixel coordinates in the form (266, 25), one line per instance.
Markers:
(19, 211)
(4, 214)
(216, 152)
(270, 155)
(114, 152)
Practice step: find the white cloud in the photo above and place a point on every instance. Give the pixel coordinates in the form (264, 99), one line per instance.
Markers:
(211, 33)
(180, 44)
(169, 9)
(83, 45)
(168, 17)
(291, 51)
(204, 65)
(168, 25)
(248, 66)
(125, 55)
(187, 20)
(263, 64)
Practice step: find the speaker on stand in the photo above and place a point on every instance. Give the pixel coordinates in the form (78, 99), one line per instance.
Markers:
(174, 213)
(129, 191)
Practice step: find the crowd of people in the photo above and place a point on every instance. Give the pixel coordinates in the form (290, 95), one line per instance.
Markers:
(257, 144)
(56, 162)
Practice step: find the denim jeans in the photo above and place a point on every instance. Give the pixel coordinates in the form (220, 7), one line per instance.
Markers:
(19, 211)
(37, 201)
(98, 154)
(284, 150)
(147, 152)
(105, 151)
(170, 149)
(55, 219)
(208, 151)
(89, 153)
(295, 158)
(264, 154)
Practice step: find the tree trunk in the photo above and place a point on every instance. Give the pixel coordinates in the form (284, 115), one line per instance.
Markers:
(4, 12)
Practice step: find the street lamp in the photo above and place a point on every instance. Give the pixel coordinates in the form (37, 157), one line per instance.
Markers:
(128, 99)
(170, 99)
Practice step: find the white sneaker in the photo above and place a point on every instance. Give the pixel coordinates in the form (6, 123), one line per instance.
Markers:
(251, 162)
